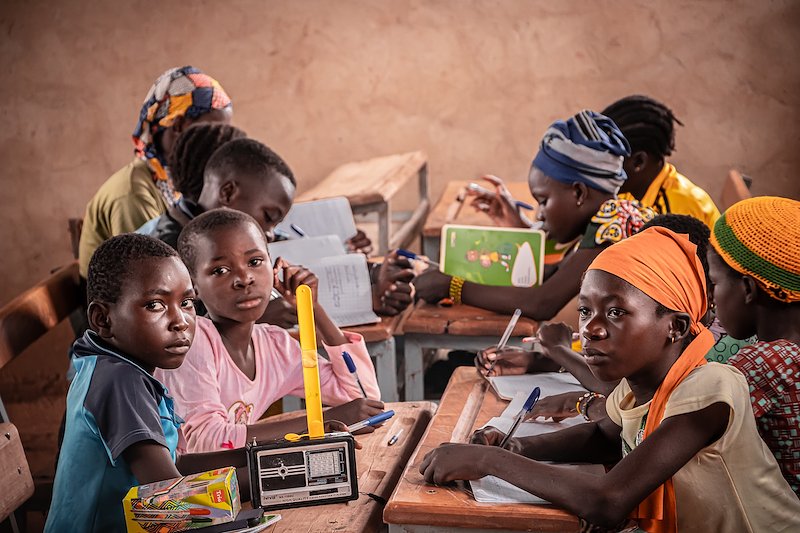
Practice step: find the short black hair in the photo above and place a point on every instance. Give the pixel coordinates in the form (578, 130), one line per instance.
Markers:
(247, 156)
(697, 231)
(192, 150)
(209, 221)
(648, 124)
(111, 263)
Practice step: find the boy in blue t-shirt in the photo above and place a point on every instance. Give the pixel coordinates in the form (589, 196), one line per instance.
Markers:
(121, 430)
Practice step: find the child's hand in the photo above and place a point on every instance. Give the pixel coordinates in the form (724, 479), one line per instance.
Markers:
(334, 426)
(554, 334)
(432, 285)
(359, 243)
(499, 205)
(509, 361)
(556, 407)
(280, 313)
(356, 411)
(451, 462)
(491, 436)
(293, 277)
(391, 293)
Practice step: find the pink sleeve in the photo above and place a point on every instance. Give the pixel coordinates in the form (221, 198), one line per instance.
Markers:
(196, 391)
(337, 384)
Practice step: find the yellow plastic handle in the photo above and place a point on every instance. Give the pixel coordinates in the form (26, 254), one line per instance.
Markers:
(308, 343)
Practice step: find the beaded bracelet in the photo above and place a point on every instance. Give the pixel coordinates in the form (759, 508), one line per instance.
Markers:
(456, 286)
(582, 405)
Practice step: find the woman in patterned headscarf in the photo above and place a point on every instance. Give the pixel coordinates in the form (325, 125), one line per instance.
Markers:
(142, 189)
(574, 177)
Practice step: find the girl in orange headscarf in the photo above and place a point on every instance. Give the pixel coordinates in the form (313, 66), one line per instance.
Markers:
(680, 430)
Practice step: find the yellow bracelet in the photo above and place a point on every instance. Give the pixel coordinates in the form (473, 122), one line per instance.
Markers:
(456, 286)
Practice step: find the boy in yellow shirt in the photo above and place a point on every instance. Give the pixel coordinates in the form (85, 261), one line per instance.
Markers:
(649, 127)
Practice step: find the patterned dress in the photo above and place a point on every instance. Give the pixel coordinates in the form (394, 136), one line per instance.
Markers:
(772, 369)
(614, 221)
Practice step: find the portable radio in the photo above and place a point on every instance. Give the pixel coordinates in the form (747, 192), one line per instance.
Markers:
(312, 469)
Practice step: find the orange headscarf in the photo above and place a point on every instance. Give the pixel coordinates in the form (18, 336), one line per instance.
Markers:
(663, 265)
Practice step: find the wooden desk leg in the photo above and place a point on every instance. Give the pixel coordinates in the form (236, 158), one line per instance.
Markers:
(385, 355)
(415, 343)
(414, 368)
(383, 228)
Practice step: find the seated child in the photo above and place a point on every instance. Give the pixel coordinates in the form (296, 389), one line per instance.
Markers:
(649, 127)
(121, 430)
(755, 269)
(187, 162)
(236, 368)
(574, 177)
(246, 175)
(680, 430)
(556, 343)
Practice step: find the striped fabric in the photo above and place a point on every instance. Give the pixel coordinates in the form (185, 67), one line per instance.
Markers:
(587, 148)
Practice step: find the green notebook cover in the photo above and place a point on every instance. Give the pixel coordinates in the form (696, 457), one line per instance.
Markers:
(511, 257)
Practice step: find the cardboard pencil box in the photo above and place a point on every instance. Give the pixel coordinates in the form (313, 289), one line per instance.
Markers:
(184, 503)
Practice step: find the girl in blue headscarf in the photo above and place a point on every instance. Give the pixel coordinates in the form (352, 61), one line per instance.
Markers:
(574, 177)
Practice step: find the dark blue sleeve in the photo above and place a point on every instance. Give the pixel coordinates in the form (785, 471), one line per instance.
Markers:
(124, 404)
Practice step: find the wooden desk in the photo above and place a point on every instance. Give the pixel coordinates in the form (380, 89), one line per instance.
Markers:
(416, 507)
(461, 327)
(379, 468)
(467, 215)
(370, 185)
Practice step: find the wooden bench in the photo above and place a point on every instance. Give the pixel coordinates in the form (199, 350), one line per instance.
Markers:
(370, 185)
(16, 483)
(28, 317)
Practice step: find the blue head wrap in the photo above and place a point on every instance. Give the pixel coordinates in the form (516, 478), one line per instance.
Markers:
(587, 148)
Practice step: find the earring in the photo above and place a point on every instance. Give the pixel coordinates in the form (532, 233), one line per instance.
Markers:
(673, 338)
(579, 203)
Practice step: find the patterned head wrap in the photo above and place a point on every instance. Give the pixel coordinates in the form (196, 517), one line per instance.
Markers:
(663, 265)
(587, 148)
(758, 237)
(177, 92)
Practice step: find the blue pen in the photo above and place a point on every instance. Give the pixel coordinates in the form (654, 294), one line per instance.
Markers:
(531, 401)
(523, 205)
(412, 255)
(351, 366)
(372, 421)
(297, 230)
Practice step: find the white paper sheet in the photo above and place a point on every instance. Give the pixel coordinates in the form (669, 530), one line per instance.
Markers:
(321, 217)
(308, 250)
(551, 383)
(491, 489)
(345, 291)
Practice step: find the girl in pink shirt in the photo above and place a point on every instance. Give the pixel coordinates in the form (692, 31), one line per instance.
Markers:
(236, 368)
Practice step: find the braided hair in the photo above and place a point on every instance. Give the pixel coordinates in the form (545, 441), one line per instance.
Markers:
(191, 152)
(648, 124)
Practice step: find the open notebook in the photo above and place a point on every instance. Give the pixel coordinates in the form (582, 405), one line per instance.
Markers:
(344, 286)
(491, 489)
(330, 216)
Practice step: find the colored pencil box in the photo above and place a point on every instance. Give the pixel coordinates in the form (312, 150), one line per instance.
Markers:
(184, 503)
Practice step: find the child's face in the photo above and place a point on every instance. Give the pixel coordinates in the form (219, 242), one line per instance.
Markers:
(558, 210)
(729, 295)
(233, 273)
(153, 320)
(622, 334)
(267, 201)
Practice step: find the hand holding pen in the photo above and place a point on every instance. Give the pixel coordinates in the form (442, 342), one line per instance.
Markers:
(529, 403)
(499, 204)
(506, 335)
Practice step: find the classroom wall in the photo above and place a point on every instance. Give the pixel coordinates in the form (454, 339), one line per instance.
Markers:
(473, 83)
